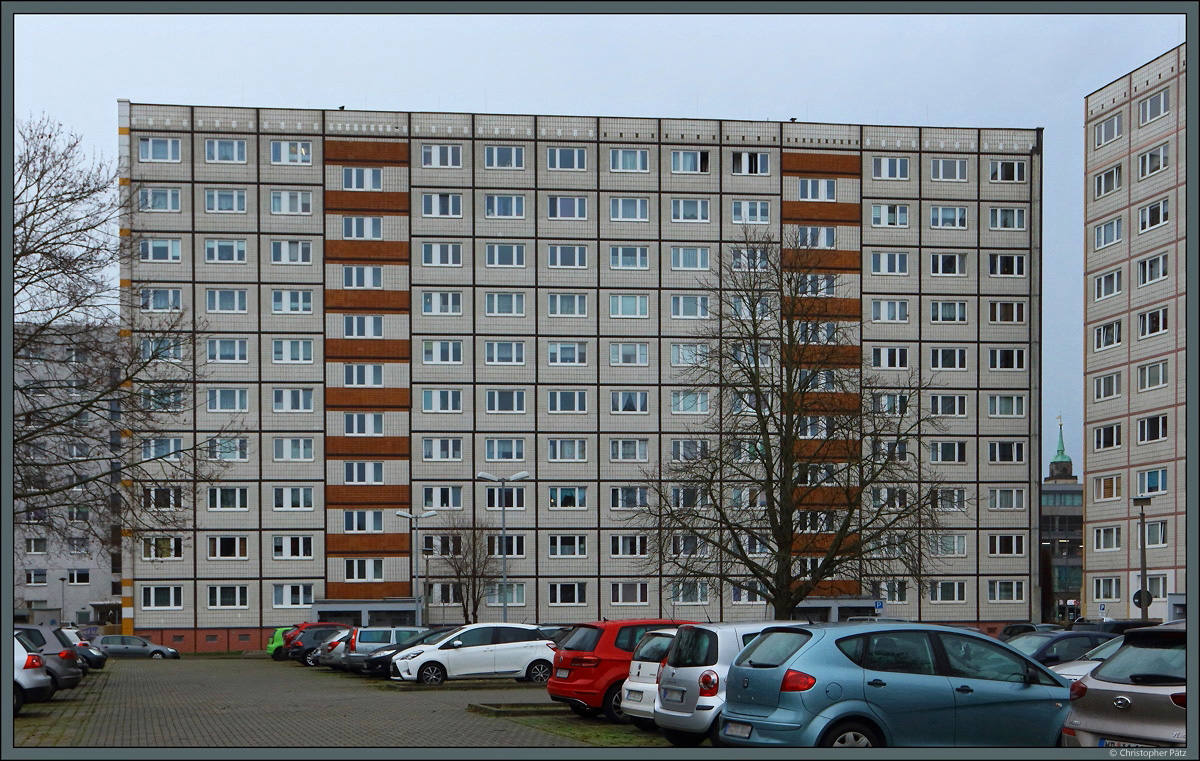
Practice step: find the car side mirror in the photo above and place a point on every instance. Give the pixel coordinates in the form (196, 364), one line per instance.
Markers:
(456, 643)
(1032, 676)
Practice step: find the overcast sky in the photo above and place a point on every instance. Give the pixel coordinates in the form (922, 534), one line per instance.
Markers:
(939, 70)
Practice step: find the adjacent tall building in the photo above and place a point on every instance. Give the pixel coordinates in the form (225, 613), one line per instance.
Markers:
(1135, 387)
(385, 304)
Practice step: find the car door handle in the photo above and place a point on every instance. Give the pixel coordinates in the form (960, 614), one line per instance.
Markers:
(877, 683)
(964, 689)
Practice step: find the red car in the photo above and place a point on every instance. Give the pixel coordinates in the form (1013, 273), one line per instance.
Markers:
(298, 629)
(591, 664)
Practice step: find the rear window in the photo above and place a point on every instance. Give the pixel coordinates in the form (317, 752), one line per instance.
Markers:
(373, 637)
(582, 638)
(1152, 659)
(653, 647)
(773, 648)
(629, 636)
(693, 647)
(63, 638)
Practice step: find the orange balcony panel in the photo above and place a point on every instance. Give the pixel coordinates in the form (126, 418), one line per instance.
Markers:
(821, 261)
(819, 544)
(828, 450)
(361, 200)
(367, 300)
(340, 496)
(386, 545)
(827, 497)
(367, 251)
(366, 590)
(819, 357)
(831, 402)
(837, 588)
(363, 349)
(367, 447)
(812, 212)
(394, 153)
(822, 308)
(828, 164)
(367, 398)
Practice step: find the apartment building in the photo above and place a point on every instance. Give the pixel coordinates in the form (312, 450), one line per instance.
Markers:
(387, 303)
(1135, 349)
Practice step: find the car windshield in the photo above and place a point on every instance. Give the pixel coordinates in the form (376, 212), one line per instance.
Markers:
(1028, 643)
(1148, 659)
(439, 637)
(1104, 650)
(772, 648)
(694, 646)
(583, 638)
(653, 647)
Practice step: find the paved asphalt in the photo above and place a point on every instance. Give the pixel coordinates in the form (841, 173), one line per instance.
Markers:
(199, 702)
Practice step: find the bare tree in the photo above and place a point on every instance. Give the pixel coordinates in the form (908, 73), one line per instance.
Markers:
(803, 477)
(460, 549)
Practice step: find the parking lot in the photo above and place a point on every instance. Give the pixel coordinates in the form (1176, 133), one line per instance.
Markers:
(256, 702)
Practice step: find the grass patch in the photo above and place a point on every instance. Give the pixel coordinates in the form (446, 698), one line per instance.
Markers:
(594, 731)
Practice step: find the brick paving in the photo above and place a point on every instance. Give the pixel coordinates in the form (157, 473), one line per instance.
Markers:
(201, 702)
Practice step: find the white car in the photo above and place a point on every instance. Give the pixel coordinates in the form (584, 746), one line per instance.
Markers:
(638, 701)
(478, 651)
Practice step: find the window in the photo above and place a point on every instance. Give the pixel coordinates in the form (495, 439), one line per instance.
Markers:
(364, 569)
(567, 545)
(162, 498)
(1006, 591)
(228, 548)
(291, 152)
(889, 263)
(1152, 269)
(948, 451)
(889, 311)
(441, 303)
(1153, 375)
(163, 448)
(891, 404)
(441, 254)
(1107, 285)
(1106, 386)
(510, 545)
(363, 375)
(889, 358)
(504, 157)
(1154, 215)
(1108, 181)
(364, 472)
(629, 354)
(443, 545)
(566, 207)
(889, 215)
(751, 212)
(292, 547)
(689, 592)
(77, 545)
(36, 545)
(688, 354)
(566, 305)
(161, 299)
(1157, 105)
(948, 264)
(1152, 482)
(629, 257)
(441, 156)
(231, 596)
(628, 450)
(751, 163)
(1006, 265)
(1108, 130)
(566, 353)
(1107, 335)
(293, 450)
(950, 499)
(1106, 538)
(1006, 359)
(568, 402)
(948, 170)
(288, 251)
(362, 228)
(442, 449)
(628, 497)
(362, 521)
(566, 159)
(817, 190)
(628, 305)
(228, 498)
(362, 326)
(1007, 170)
(362, 277)
(1106, 488)
(628, 160)
(629, 593)
(689, 209)
(1006, 405)
(1106, 588)
(158, 199)
(363, 423)
(689, 402)
(689, 162)
(359, 178)
(504, 206)
(505, 401)
(1153, 161)
(236, 449)
(504, 353)
(884, 168)
(1006, 219)
(158, 149)
(1107, 437)
(225, 200)
(948, 359)
(568, 593)
(568, 257)
(441, 400)
(628, 545)
(1006, 499)
(442, 352)
(1107, 233)
(630, 401)
(291, 202)
(948, 591)
(629, 209)
(759, 260)
(160, 249)
(948, 217)
(512, 594)
(1152, 429)
(79, 576)
(1152, 323)
(566, 450)
(504, 304)
(293, 498)
(685, 450)
(228, 400)
(291, 302)
(443, 497)
(1006, 451)
(949, 545)
(815, 237)
(162, 598)
(441, 204)
(505, 497)
(568, 498)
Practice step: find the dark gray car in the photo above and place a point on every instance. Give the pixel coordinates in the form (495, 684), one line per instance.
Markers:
(125, 646)
(58, 652)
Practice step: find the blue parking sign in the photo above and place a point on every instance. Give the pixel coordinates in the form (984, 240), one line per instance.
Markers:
(879, 605)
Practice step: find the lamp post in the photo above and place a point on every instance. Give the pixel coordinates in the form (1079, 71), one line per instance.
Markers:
(482, 476)
(1143, 598)
(416, 524)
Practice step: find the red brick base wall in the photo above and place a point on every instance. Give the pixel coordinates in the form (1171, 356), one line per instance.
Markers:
(208, 640)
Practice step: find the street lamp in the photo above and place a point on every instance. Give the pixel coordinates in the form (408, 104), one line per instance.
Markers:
(1143, 595)
(482, 476)
(416, 523)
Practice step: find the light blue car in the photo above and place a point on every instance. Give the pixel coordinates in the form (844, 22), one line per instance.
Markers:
(889, 685)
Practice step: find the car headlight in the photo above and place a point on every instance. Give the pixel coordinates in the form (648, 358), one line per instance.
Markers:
(410, 656)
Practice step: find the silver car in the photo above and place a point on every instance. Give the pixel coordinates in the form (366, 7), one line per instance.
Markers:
(364, 640)
(691, 687)
(31, 683)
(331, 651)
(637, 702)
(58, 652)
(1091, 659)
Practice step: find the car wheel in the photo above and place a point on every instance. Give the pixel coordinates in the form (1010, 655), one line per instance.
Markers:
(612, 704)
(157, 654)
(18, 699)
(53, 683)
(584, 712)
(714, 733)
(278, 654)
(683, 739)
(851, 734)
(431, 673)
(310, 658)
(538, 671)
(644, 724)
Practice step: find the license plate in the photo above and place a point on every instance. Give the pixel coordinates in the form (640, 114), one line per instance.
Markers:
(633, 696)
(1104, 743)
(675, 696)
(562, 673)
(737, 729)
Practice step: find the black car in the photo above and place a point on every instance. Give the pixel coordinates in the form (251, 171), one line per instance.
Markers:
(379, 663)
(1049, 648)
(1013, 630)
(1112, 626)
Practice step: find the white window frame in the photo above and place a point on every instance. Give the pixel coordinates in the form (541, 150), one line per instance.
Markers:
(441, 156)
(889, 168)
(889, 263)
(147, 149)
(291, 202)
(889, 215)
(510, 157)
(161, 250)
(939, 220)
(689, 210)
(1006, 170)
(1154, 215)
(1154, 106)
(555, 302)
(628, 209)
(213, 200)
(1146, 380)
(617, 159)
(496, 204)
(628, 258)
(1107, 181)
(566, 450)
(1107, 234)
(441, 205)
(492, 353)
(148, 204)
(938, 173)
(578, 159)
(1108, 130)
(441, 254)
(554, 353)
(556, 205)
(362, 228)
(1154, 161)
(291, 152)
